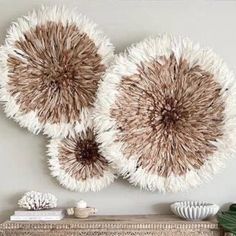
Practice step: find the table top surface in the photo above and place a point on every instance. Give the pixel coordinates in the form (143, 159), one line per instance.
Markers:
(114, 220)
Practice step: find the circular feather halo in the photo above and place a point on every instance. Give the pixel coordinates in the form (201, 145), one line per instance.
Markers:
(50, 68)
(77, 164)
(165, 114)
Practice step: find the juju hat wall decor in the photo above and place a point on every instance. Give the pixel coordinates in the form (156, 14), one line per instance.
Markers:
(50, 67)
(166, 114)
(77, 163)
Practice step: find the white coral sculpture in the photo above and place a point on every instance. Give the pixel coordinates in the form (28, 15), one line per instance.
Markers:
(37, 201)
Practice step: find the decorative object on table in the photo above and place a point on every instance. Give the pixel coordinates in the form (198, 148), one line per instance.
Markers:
(50, 67)
(166, 114)
(37, 201)
(77, 164)
(81, 210)
(194, 210)
(55, 214)
(81, 204)
(227, 219)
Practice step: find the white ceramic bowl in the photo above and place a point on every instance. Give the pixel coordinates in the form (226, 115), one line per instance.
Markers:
(194, 210)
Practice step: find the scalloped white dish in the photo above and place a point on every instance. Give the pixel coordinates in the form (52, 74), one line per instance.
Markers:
(194, 210)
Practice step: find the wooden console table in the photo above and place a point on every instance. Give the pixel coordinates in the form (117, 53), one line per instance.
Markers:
(145, 225)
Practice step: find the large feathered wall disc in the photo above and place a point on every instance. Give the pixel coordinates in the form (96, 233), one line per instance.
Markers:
(166, 114)
(78, 164)
(50, 67)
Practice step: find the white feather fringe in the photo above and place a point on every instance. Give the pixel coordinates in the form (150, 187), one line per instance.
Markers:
(16, 32)
(126, 65)
(66, 180)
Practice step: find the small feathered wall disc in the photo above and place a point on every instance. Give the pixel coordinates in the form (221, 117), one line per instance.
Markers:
(50, 67)
(77, 163)
(165, 114)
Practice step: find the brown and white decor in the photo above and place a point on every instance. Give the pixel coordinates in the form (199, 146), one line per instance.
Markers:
(50, 67)
(165, 114)
(77, 163)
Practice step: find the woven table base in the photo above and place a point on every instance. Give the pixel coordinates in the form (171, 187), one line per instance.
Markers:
(145, 225)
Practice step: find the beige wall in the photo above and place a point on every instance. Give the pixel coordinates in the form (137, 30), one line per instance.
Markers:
(23, 164)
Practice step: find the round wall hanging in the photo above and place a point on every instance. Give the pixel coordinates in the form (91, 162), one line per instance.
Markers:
(166, 114)
(77, 163)
(50, 67)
